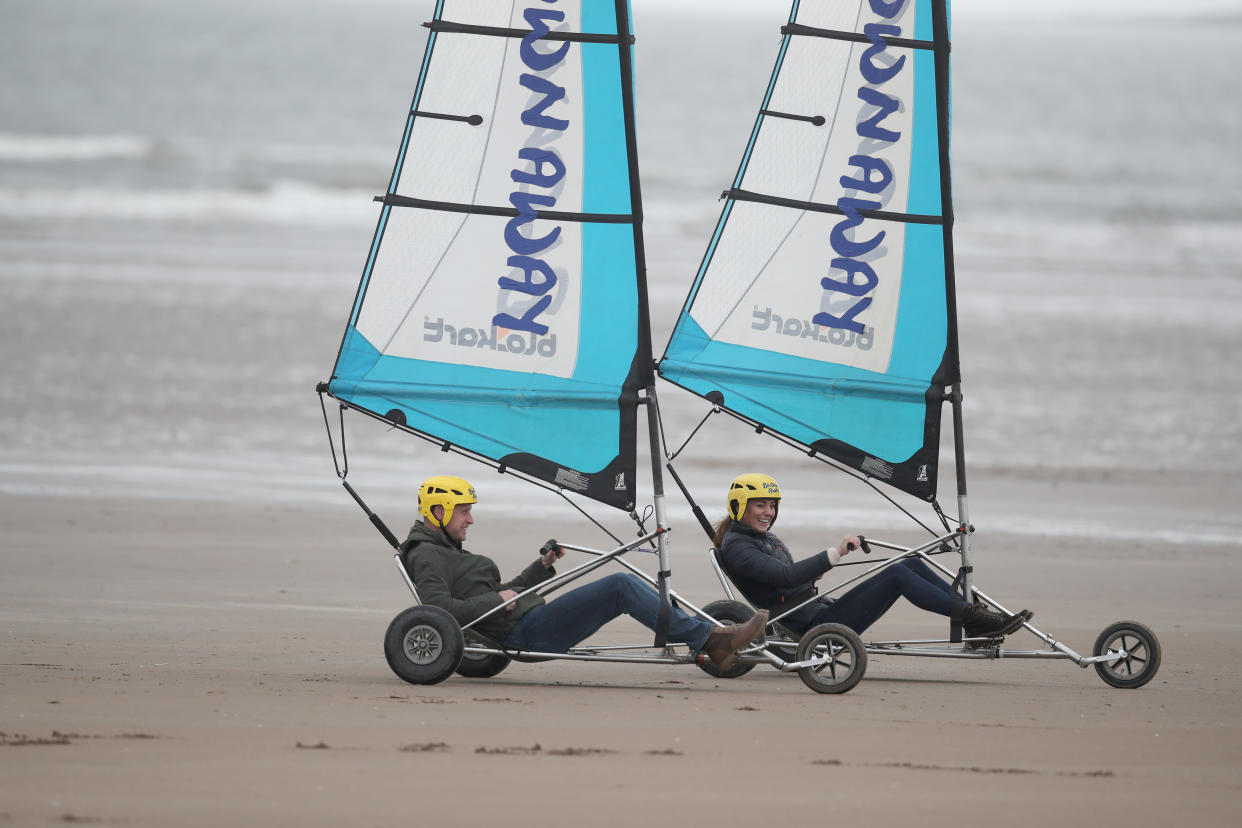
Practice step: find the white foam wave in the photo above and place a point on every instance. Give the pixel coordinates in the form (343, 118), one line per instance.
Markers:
(48, 148)
(288, 202)
(329, 155)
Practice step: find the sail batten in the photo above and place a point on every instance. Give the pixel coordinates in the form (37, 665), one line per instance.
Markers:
(821, 309)
(497, 31)
(484, 210)
(856, 37)
(881, 215)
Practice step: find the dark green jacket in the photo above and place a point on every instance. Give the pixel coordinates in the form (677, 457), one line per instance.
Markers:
(465, 584)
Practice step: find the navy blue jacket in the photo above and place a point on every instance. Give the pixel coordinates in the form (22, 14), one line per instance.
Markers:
(763, 569)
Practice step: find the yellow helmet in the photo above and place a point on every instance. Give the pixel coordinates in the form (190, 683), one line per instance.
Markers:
(447, 491)
(746, 486)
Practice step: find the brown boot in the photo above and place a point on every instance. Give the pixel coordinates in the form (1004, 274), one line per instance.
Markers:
(723, 642)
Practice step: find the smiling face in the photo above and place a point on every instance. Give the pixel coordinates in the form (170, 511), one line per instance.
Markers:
(459, 523)
(760, 512)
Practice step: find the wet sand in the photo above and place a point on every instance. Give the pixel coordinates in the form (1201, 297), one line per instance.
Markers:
(176, 663)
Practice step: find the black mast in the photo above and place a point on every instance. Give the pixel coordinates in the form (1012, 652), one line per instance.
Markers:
(645, 367)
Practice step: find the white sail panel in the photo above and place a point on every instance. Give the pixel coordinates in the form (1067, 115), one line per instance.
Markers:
(441, 273)
(472, 165)
(765, 299)
(759, 261)
(444, 319)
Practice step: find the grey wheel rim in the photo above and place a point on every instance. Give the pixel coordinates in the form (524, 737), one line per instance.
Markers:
(422, 644)
(840, 662)
(1137, 655)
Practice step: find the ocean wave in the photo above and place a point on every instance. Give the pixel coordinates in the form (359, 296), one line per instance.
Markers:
(314, 155)
(48, 148)
(288, 202)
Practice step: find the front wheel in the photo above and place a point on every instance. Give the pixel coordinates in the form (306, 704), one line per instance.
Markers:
(728, 613)
(844, 658)
(1142, 655)
(423, 645)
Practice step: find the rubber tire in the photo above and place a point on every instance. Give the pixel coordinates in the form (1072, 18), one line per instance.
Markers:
(727, 613)
(423, 645)
(835, 635)
(1149, 646)
(481, 666)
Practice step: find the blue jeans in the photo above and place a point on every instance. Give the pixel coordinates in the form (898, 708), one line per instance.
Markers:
(863, 605)
(578, 614)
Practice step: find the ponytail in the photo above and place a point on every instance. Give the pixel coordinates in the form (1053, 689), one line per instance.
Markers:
(722, 527)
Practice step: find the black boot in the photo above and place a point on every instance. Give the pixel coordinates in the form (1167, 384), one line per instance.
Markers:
(980, 622)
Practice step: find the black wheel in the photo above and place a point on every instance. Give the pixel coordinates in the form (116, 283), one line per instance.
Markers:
(423, 645)
(475, 665)
(728, 613)
(1142, 655)
(845, 658)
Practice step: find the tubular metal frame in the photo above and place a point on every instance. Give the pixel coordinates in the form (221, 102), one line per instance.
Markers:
(761, 653)
(669, 654)
(939, 648)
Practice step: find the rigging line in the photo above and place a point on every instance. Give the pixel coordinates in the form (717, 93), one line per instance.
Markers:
(856, 37)
(508, 212)
(586, 515)
(501, 468)
(832, 464)
(498, 31)
(342, 467)
(944, 519)
(817, 207)
(817, 120)
(714, 410)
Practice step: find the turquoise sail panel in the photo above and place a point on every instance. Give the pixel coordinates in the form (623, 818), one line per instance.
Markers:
(822, 307)
(498, 310)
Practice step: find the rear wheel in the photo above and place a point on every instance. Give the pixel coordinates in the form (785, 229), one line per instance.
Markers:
(476, 665)
(728, 613)
(844, 658)
(423, 645)
(1142, 655)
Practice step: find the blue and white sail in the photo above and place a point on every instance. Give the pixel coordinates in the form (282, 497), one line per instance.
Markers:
(499, 309)
(823, 306)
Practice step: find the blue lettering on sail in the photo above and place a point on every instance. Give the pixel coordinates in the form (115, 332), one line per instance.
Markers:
(875, 175)
(544, 170)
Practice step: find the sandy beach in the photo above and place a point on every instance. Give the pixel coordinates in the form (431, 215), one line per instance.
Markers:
(192, 610)
(176, 663)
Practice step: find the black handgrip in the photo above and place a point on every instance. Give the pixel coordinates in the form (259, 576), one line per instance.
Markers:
(548, 547)
(866, 547)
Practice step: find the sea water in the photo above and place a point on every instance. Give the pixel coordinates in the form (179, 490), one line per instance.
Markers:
(185, 208)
